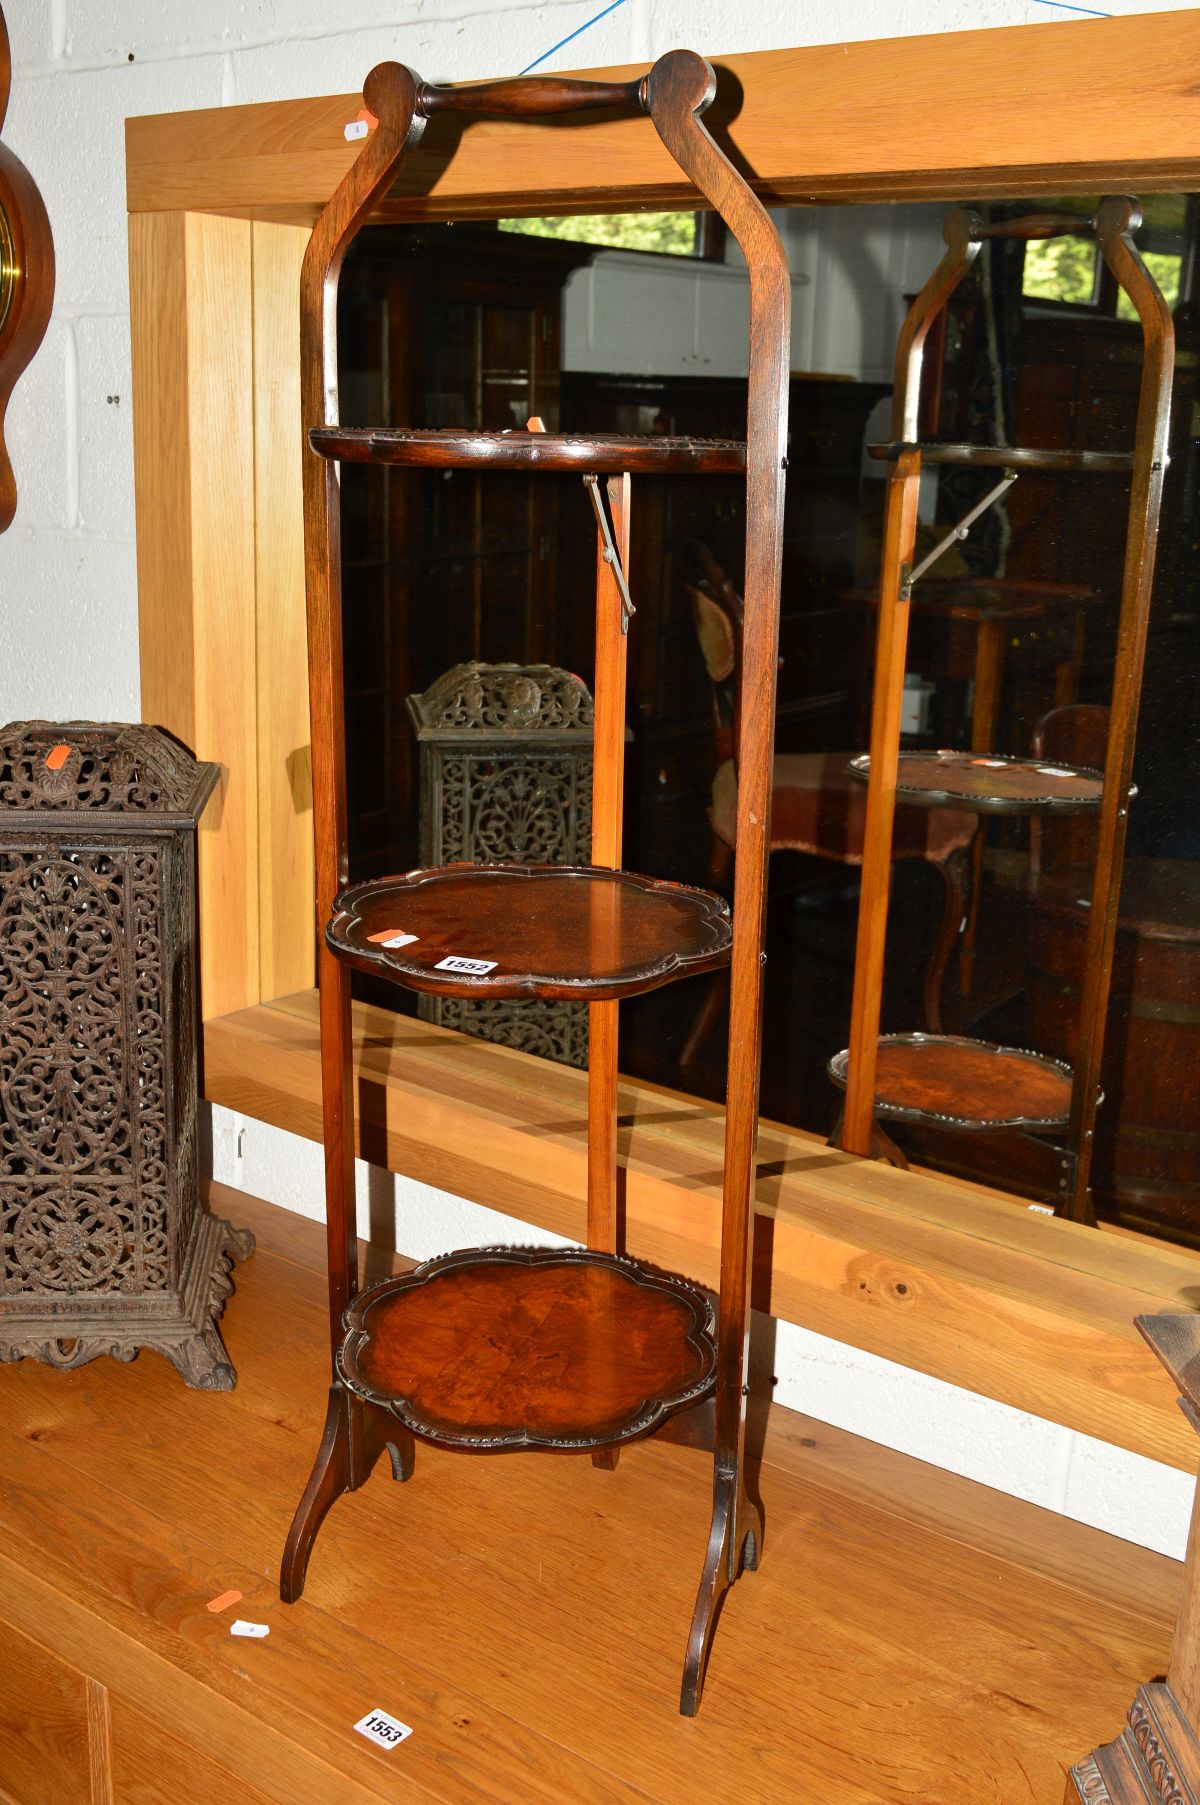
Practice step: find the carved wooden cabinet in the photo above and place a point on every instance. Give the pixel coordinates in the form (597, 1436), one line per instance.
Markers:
(105, 1247)
(506, 778)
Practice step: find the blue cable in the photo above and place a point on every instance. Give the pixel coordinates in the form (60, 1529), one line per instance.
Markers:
(578, 32)
(1059, 5)
(1063, 6)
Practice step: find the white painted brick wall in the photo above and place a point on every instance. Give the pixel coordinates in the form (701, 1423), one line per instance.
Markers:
(68, 612)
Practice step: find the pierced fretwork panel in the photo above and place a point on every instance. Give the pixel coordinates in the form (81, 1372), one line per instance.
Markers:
(83, 1170)
(506, 778)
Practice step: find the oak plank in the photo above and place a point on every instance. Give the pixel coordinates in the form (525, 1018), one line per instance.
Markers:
(193, 427)
(43, 1722)
(148, 1762)
(99, 1733)
(925, 136)
(1041, 1542)
(287, 955)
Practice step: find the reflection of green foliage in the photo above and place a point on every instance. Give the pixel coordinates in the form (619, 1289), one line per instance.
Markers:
(671, 232)
(1064, 269)
(1165, 270)
(1060, 269)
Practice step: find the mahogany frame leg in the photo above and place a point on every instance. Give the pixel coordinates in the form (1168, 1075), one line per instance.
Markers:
(735, 1542)
(608, 788)
(1116, 222)
(735, 1537)
(896, 563)
(355, 1436)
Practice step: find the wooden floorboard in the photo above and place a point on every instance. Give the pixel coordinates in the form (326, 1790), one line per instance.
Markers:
(911, 1637)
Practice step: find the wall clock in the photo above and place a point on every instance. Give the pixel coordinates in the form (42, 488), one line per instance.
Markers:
(26, 277)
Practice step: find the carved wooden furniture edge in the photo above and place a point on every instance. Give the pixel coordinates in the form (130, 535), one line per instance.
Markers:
(1156, 1757)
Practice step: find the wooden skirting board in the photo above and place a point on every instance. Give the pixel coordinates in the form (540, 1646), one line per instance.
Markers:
(910, 1636)
(949, 1278)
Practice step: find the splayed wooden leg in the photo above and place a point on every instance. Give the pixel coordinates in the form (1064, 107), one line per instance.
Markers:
(355, 1436)
(735, 1541)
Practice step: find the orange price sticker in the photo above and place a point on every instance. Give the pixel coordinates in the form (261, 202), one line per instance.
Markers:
(57, 756)
(224, 1601)
(392, 937)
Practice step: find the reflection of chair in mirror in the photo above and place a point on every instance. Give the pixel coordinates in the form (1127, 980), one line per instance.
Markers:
(816, 807)
(1147, 1158)
(506, 779)
(1074, 735)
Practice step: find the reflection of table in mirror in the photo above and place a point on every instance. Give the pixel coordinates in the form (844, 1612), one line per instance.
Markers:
(988, 617)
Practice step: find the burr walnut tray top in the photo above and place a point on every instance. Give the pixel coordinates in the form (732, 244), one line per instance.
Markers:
(530, 930)
(993, 785)
(498, 1348)
(967, 1084)
(457, 449)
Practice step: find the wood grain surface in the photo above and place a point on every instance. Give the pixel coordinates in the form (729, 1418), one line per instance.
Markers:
(287, 956)
(193, 449)
(529, 1347)
(608, 802)
(948, 1277)
(968, 1646)
(932, 133)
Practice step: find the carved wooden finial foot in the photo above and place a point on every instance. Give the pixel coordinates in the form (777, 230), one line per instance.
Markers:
(1156, 1757)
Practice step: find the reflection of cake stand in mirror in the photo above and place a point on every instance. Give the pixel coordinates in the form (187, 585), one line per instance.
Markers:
(26, 276)
(948, 1077)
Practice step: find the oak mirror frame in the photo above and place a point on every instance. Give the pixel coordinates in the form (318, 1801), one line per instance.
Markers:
(221, 203)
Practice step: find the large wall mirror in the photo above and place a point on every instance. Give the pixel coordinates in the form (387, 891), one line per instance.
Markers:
(637, 323)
